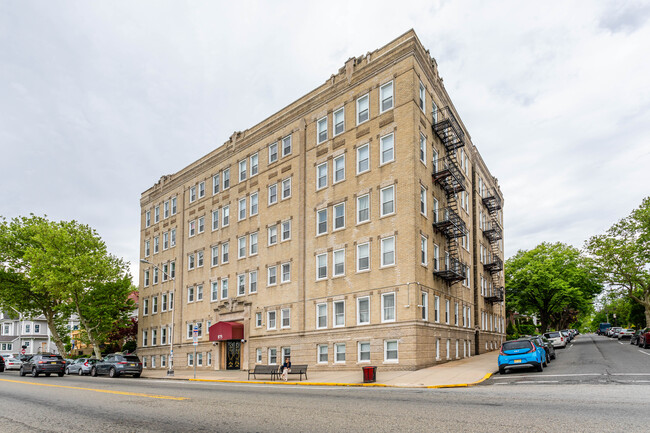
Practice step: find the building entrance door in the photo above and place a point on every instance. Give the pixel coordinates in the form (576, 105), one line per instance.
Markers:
(233, 354)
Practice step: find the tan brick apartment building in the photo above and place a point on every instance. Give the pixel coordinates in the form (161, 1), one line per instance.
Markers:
(359, 225)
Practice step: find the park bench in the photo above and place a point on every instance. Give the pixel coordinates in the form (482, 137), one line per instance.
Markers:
(264, 369)
(299, 369)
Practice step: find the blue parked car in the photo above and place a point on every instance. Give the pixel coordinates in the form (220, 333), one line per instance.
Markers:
(521, 353)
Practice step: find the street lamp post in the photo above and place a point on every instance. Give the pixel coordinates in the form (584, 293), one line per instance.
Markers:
(20, 329)
(170, 369)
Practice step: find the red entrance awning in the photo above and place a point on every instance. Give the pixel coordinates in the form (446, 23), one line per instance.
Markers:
(222, 331)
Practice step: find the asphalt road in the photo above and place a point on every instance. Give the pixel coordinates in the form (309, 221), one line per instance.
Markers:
(89, 404)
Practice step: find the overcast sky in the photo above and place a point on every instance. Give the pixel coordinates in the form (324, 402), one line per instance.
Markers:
(99, 99)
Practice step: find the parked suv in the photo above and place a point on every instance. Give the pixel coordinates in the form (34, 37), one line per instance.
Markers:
(80, 366)
(518, 353)
(116, 364)
(557, 339)
(43, 363)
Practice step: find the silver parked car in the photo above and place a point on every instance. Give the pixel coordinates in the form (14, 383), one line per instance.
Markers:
(81, 366)
(556, 338)
(12, 363)
(625, 333)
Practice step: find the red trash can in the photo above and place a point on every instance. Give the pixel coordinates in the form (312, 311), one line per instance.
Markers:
(369, 374)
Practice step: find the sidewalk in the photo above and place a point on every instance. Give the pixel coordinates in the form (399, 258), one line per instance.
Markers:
(464, 372)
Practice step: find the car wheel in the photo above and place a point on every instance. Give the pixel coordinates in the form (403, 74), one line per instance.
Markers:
(502, 370)
(34, 372)
(47, 374)
(80, 372)
(553, 356)
(21, 372)
(93, 372)
(645, 345)
(136, 375)
(113, 373)
(60, 374)
(67, 371)
(540, 367)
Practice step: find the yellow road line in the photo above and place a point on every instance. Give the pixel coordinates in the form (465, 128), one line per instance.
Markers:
(136, 394)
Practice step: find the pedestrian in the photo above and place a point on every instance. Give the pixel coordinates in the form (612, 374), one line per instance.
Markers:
(286, 369)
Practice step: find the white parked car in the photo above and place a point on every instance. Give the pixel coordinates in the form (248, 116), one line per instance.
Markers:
(625, 333)
(613, 331)
(556, 338)
(12, 363)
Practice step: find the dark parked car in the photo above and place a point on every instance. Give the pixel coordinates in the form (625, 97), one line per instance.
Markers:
(540, 343)
(81, 366)
(117, 364)
(644, 338)
(2, 364)
(636, 336)
(43, 363)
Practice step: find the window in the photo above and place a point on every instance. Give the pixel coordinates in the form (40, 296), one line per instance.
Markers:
(199, 359)
(241, 247)
(216, 183)
(190, 359)
(437, 348)
(339, 263)
(387, 148)
(241, 285)
(387, 196)
(422, 96)
(242, 208)
(363, 208)
(147, 218)
(145, 335)
(28, 328)
(215, 255)
(225, 252)
(321, 266)
(321, 221)
(321, 176)
(456, 313)
(339, 216)
(339, 121)
(447, 311)
(436, 309)
(163, 302)
(339, 352)
(156, 214)
(435, 210)
(423, 200)
(215, 219)
(363, 109)
(155, 275)
(285, 275)
(322, 353)
(364, 351)
(190, 294)
(363, 257)
(286, 188)
(363, 310)
(286, 230)
(165, 240)
(154, 337)
(436, 262)
(434, 161)
(386, 97)
(214, 291)
(224, 288)
(254, 164)
(273, 194)
(363, 158)
(252, 282)
(225, 216)
(192, 194)
(192, 228)
(156, 244)
(388, 251)
(321, 316)
(258, 319)
(434, 112)
(146, 278)
(242, 170)
(199, 259)
(226, 178)
(390, 351)
(423, 251)
(339, 313)
(388, 307)
(321, 127)
(425, 305)
(285, 318)
(273, 152)
(273, 234)
(270, 320)
(273, 356)
(254, 204)
(171, 299)
(286, 145)
(147, 247)
(166, 209)
(339, 169)
(272, 273)
(172, 238)
(423, 150)
(174, 205)
(253, 243)
(201, 224)
(202, 189)
(258, 355)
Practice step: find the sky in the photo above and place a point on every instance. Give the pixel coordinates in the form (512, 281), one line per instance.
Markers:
(98, 100)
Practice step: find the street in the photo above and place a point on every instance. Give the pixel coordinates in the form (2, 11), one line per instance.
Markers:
(588, 388)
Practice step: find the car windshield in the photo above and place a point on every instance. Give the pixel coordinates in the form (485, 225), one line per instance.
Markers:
(514, 345)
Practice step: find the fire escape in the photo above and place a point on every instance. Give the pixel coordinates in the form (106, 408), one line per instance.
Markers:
(494, 233)
(448, 175)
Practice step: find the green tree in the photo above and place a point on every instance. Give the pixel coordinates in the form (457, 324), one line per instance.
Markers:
(548, 280)
(66, 268)
(622, 256)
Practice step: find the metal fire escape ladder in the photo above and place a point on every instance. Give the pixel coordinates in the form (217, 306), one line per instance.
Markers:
(494, 233)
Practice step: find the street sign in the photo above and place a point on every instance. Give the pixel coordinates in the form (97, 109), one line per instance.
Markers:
(22, 351)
